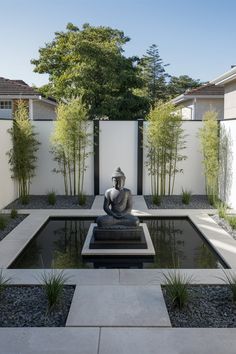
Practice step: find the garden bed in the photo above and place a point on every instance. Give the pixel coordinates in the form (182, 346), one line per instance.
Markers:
(175, 202)
(26, 306)
(11, 224)
(62, 202)
(224, 224)
(209, 306)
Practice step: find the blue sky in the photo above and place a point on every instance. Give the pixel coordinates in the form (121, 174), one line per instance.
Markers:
(196, 38)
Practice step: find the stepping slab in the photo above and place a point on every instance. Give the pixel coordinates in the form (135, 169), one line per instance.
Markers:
(128, 306)
(167, 341)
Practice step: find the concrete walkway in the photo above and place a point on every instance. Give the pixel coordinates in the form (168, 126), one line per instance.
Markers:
(117, 311)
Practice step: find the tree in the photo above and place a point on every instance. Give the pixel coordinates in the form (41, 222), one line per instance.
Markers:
(90, 64)
(178, 85)
(154, 75)
(70, 142)
(210, 140)
(165, 142)
(22, 155)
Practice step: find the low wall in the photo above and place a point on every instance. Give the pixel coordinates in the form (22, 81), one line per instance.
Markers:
(8, 190)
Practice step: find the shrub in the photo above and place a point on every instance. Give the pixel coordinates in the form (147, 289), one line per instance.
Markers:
(3, 281)
(222, 208)
(156, 199)
(53, 284)
(24, 199)
(232, 221)
(176, 286)
(51, 198)
(230, 281)
(3, 222)
(14, 213)
(186, 196)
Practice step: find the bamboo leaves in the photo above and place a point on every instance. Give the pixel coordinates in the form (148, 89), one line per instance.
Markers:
(70, 141)
(165, 141)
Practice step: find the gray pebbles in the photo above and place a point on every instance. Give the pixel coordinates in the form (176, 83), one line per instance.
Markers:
(175, 202)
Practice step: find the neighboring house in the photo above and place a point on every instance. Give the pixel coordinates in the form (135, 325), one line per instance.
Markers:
(194, 103)
(40, 108)
(228, 82)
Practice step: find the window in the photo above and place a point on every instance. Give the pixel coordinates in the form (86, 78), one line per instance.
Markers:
(5, 109)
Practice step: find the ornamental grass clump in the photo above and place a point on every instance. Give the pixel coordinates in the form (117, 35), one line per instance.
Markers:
(4, 281)
(156, 199)
(3, 222)
(53, 284)
(232, 221)
(230, 280)
(51, 197)
(186, 196)
(176, 286)
(222, 209)
(14, 213)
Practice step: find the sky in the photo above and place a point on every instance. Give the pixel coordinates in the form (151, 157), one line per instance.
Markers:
(196, 37)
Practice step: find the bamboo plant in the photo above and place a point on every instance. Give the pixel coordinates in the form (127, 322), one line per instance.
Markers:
(210, 140)
(70, 141)
(165, 142)
(22, 155)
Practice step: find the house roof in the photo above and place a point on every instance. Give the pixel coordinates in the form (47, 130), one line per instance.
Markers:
(225, 78)
(19, 88)
(208, 90)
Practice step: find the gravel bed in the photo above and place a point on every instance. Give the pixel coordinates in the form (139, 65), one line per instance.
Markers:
(26, 306)
(12, 223)
(209, 306)
(175, 202)
(62, 202)
(224, 224)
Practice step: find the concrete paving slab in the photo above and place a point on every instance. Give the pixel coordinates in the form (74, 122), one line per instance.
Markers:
(168, 341)
(75, 276)
(49, 340)
(135, 306)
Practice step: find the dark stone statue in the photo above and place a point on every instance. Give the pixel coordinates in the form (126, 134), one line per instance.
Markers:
(117, 205)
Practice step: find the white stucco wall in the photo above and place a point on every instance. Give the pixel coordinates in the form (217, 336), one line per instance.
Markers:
(43, 110)
(230, 100)
(118, 148)
(8, 190)
(192, 177)
(228, 164)
(209, 104)
(46, 180)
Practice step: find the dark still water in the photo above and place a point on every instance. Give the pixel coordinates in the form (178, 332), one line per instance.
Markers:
(176, 241)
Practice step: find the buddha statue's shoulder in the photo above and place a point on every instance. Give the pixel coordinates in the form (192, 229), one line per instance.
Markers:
(108, 192)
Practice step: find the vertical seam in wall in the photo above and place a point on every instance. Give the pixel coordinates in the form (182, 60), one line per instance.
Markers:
(140, 158)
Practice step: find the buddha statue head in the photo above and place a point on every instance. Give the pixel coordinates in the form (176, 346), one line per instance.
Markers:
(118, 179)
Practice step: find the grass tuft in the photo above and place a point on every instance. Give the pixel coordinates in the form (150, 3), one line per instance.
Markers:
(230, 280)
(14, 213)
(156, 199)
(53, 284)
(232, 221)
(51, 196)
(82, 199)
(3, 222)
(186, 196)
(176, 286)
(4, 281)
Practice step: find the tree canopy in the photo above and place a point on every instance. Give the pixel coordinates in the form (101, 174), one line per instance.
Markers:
(178, 85)
(89, 63)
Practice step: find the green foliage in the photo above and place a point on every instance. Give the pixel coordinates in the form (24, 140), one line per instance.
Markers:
(70, 141)
(53, 284)
(176, 286)
(209, 137)
(156, 199)
(178, 85)
(3, 222)
(222, 210)
(230, 280)
(89, 63)
(4, 281)
(165, 142)
(152, 71)
(82, 199)
(22, 155)
(51, 196)
(14, 213)
(186, 196)
(232, 221)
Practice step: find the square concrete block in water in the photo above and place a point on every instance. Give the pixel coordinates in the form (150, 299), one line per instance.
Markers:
(118, 305)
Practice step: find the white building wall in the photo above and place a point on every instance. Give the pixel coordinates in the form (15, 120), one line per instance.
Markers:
(45, 180)
(230, 100)
(43, 111)
(8, 190)
(228, 164)
(118, 148)
(209, 104)
(192, 177)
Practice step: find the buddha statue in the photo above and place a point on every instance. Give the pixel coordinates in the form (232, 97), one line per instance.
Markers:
(117, 204)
